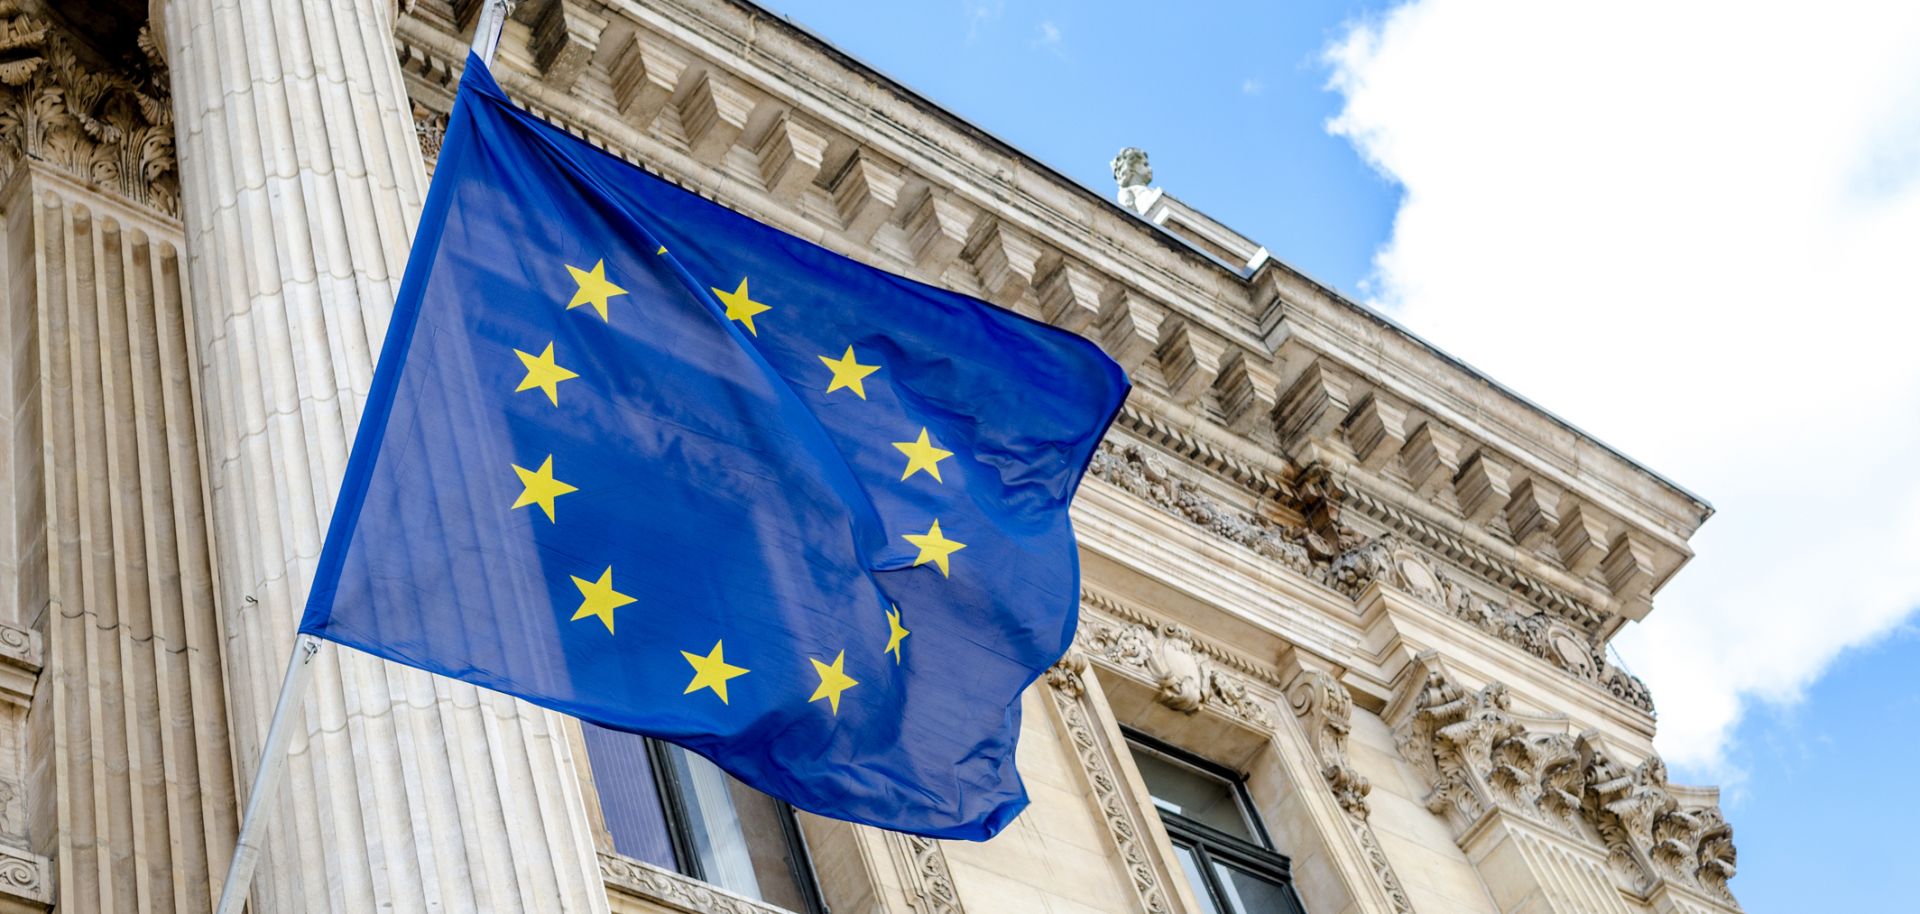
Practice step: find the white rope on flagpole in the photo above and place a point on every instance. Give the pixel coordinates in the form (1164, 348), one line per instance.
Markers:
(293, 689)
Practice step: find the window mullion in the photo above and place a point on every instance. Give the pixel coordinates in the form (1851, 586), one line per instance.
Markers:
(673, 805)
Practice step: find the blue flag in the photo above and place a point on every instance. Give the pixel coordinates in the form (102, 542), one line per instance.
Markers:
(643, 460)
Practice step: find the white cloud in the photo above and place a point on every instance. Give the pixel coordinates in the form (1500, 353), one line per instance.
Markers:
(1047, 37)
(980, 14)
(1694, 230)
(1252, 86)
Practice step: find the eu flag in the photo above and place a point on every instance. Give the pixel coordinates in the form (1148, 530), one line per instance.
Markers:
(643, 460)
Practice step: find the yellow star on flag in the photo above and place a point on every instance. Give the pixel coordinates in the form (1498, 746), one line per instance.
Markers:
(848, 373)
(740, 306)
(833, 680)
(598, 598)
(711, 672)
(544, 373)
(934, 547)
(539, 487)
(594, 289)
(895, 633)
(922, 455)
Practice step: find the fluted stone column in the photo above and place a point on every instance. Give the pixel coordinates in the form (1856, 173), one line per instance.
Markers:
(301, 186)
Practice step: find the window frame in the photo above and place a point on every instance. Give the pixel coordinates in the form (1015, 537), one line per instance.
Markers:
(1210, 844)
(673, 810)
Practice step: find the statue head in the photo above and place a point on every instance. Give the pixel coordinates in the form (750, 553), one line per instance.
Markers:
(1130, 168)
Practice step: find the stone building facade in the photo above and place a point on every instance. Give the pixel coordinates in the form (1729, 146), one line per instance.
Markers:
(1343, 642)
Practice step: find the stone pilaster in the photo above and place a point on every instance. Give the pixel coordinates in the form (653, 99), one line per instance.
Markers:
(301, 185)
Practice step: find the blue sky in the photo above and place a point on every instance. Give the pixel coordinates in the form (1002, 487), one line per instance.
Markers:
(1498, 182)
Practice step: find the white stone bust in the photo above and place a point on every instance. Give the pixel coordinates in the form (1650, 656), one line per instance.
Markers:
(1133, 174)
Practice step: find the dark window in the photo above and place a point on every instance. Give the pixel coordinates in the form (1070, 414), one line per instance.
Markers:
(1223, 848)
(674, 809)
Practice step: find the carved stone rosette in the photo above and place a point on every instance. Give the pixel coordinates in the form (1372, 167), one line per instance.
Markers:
(1478, 758)
(106, 129)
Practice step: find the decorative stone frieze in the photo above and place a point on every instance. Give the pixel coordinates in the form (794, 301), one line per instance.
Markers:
(1479, 757)
(111, 130)
(683, 893)
(1148, 477)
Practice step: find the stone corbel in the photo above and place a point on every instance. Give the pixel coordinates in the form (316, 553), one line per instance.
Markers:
(1129, 327)
(645, 76)
(1628, 570)
(937, 228)
(1314, 406)
(1533, 511)
(1581, 539)
(565, 35)
(1247, 391)
(1325, 711)
(1376, 430)
(1651, 835)
(1069, 296)
(865, 194)
(790, 156)
(1431, 456)
(715, 109)
(1189, 359)
(1006, 259)
(1483, 486)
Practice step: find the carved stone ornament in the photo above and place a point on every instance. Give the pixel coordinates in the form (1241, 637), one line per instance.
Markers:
(1166, 651)
(1478, 757)
(1326, 711)
(1541, 634)
(430, 127)
(107, 129)
(25, 876)
(1650, 835)
(1146, 476)
(683, 893)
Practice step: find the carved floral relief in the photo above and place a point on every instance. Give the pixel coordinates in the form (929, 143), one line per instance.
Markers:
(1477, 757)
(113, 130)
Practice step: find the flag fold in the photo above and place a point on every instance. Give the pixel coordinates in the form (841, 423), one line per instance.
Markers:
(641, 459)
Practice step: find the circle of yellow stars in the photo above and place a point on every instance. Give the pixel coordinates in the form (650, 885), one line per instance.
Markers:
(599, 599)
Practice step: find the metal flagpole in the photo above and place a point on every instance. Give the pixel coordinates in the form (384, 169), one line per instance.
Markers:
(266, 778)
(293, 689)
